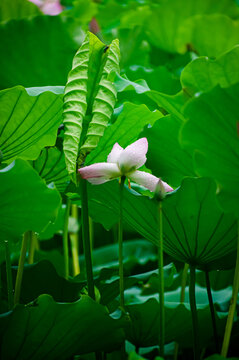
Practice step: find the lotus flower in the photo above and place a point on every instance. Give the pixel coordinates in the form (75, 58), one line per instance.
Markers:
(49, 7)
(124, 162)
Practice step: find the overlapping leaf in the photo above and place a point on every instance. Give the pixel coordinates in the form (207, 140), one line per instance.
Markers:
(48, 330)
(212, 134)
(89, 98)
(26, 202)
(28, 123)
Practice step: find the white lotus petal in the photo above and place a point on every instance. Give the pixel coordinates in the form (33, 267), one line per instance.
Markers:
(100, 171)
(147, 180)
(115, 153)
(133, 156)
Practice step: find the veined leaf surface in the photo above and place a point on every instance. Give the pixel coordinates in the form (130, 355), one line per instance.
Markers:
(89, 98)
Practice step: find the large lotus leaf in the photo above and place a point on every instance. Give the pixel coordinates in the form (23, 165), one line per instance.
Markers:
(33, 57)
(17, 9)
(42, 278)
(48, 330)
(167, 20)
(125, 130)
(89, 98)
(209, 35)
(26, 202)
(51, 167)
(196, 230)
(28, 123)
(212, 134)
(144, 329)
(166, 157)
(203, 73)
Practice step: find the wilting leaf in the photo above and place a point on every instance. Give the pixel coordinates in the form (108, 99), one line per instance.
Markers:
(89, 98)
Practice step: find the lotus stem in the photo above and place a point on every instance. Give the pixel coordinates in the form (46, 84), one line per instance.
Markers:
(233, 302)
(86, 238)
(9, 276)
(161, 282)
(32, 247)
(212, 310)
(182, 298)
(75, 243)
(192, 298)
(120, 242)
(65, 239)
(20, 268)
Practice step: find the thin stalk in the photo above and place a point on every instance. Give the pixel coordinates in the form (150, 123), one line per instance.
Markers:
(20, 268)
(182, 298)
(192, 298)
(65, 239)
(120, 242)
(86, 237)
(233, 302)
(32, 247)
(161, 283)
(9, 276)
(74, 237)
(212, 310)
(91, 231)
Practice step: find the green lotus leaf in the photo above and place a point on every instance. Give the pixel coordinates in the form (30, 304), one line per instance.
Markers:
(26, 202)
(166, 157)
(125, 130)
(33, 57)
(203, 73)
(89, 98)
(48, 330)
(211, 134)
(51, 167)
(196, 230)
(28, 123)
(17, 9)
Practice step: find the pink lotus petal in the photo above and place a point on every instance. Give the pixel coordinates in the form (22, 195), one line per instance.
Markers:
(133, 156)
(115, 153)
(147, 180)
(52, 8)
(100, 172)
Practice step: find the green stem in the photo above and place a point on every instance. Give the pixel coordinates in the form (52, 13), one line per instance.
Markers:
(9, 276)
(182, 298)
(192, 298)
(120, 242)
(75, 243)
(161, 283)
(32, 247)
(65, 239)
(86, 237)
(233, 302)
(212, 310)
(21, 267)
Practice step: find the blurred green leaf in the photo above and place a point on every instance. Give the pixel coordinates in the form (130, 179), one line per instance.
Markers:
(17, 9)
(28, 123)
(26, 202)
(203, 73)
(211, 134)
(50, 330)
(33, 57)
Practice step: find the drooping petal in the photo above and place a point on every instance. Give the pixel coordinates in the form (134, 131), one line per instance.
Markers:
(115, 153)
(100, 172)
(147, 180)
(133, 156)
